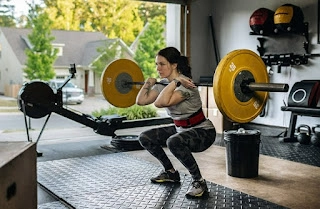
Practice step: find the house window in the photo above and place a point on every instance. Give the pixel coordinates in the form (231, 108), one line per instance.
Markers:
(60, 49)
(60, 77)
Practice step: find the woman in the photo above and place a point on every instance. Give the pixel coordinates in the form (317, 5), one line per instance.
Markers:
(192, 131)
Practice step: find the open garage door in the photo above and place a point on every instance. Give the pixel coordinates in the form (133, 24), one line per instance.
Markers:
(178, 22)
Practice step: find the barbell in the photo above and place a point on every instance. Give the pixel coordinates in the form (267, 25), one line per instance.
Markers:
(240, 84)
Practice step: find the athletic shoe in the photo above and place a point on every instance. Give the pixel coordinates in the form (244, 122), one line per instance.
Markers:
(166, 176)
(198, 189)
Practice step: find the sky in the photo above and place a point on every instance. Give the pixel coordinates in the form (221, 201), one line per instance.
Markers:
(21, 6)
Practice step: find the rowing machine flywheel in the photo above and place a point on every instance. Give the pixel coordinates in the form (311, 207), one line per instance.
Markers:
(35, 98)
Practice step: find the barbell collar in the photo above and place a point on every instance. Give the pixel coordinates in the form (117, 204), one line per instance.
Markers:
(268, 87)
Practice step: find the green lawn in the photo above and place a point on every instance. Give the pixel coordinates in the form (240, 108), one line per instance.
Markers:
(8, 103)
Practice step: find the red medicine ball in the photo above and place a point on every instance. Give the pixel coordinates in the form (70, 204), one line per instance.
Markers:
(261, 21)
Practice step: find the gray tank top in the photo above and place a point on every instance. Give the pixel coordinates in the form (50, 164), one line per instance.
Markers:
(185, 108)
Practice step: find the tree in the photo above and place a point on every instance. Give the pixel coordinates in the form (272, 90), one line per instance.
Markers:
(114, 18)
(150, 10)
(67, 14)
(6, 14)
(109, 52)
(41, 54)
(150, 42)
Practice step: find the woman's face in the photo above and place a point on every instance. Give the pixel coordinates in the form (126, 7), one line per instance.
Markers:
(164, 67)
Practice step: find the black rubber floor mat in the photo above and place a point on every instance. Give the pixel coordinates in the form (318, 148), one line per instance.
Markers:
(293, 151)
(122, 181)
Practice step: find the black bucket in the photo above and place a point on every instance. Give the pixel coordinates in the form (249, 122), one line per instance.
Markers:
(242, 152)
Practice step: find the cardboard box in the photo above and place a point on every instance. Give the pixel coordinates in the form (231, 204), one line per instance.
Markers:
(219, 121)
(203, 90)
(211, 100)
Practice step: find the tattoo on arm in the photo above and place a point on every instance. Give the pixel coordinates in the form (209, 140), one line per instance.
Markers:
(185, 95)
(148, 88)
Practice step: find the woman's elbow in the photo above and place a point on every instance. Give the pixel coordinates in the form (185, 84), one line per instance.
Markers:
(157, 104)
(140, 103)
(160, 104)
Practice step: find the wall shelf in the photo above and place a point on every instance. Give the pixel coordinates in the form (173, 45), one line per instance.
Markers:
(285, 47)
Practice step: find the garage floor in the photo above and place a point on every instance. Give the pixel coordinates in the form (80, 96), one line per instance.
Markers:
(91, 173)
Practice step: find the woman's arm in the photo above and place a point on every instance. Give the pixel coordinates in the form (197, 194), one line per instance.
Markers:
(169, 96)
(146, 95)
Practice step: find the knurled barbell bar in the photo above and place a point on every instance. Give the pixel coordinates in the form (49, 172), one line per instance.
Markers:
(248, 86)
(141, 83)
(240, 84)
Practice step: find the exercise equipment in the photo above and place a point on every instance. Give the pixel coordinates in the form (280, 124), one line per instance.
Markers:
(304, 93)
(288, 18)
(315, 138)
(240, 90)
(36, 99)
(304, 132)
(261, 21)
(126, 142)
(240, 84)
(121, 81)
(115, 81)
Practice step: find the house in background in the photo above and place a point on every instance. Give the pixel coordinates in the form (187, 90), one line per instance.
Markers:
(75, 47)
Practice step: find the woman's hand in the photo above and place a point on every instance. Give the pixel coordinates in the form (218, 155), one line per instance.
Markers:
(186, 82)
(150, 82)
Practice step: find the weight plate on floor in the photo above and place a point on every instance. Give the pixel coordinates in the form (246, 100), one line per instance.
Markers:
(114, 82)
(235, 104)
(126, 142)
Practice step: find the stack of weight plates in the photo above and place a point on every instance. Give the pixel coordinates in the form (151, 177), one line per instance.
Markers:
(126, 142)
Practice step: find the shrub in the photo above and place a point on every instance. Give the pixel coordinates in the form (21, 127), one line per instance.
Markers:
(132, 113)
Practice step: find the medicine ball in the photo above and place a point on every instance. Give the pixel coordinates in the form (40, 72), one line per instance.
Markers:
(288, 17)
(261, 21)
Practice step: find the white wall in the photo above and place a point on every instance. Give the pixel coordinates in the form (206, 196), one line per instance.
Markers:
(10, 69)
(231, 22)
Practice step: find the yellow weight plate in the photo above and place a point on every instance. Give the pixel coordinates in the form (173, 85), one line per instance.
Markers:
(234, 66)
(114, 82)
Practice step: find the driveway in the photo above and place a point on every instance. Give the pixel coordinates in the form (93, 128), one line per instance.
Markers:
(90, 104)
(98, 102)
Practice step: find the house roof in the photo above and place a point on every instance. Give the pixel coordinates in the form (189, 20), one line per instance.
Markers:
(78, 47)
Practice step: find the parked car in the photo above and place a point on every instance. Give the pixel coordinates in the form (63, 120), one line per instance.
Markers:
(71, 94)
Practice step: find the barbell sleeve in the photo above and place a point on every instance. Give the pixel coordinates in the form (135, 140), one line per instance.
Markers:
(269, 87)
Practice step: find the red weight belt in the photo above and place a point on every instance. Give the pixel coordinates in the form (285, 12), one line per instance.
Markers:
(194, 119)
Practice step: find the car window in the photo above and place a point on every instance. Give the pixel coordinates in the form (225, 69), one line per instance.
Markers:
(70, 85)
